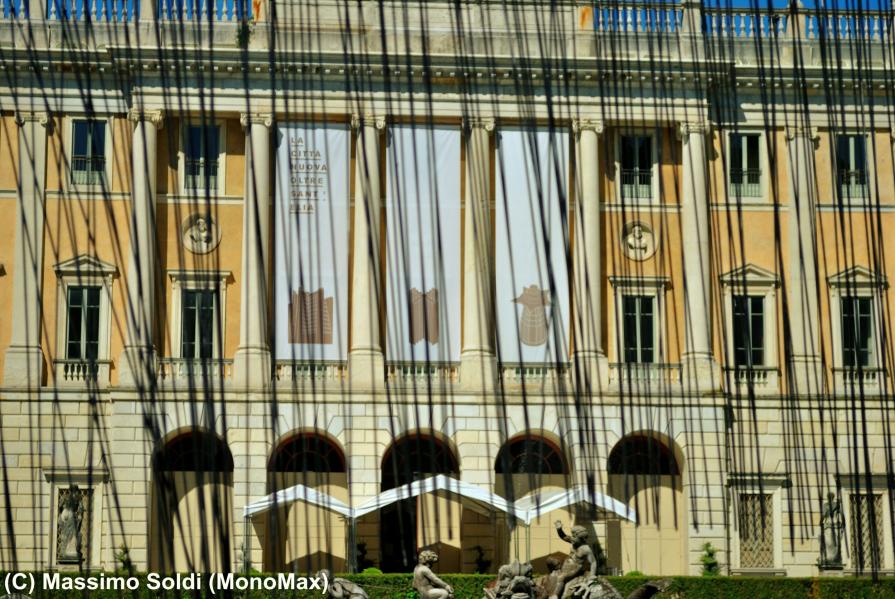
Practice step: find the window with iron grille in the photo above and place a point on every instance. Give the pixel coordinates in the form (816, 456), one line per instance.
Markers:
(638, 326)
(745, 165)
(756, 522)
(851, 166)
(198, 324)
(82, 339)
(866, 531)
(201, 157)
(637, 167)
(857, 332)
(748, 330)
(88, 159)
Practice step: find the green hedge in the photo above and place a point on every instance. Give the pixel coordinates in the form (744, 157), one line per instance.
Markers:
(469, 586)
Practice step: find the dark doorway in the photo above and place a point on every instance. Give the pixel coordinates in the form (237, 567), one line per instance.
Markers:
(411, 458)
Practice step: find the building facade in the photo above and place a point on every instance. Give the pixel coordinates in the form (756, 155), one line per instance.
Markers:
(640, 248)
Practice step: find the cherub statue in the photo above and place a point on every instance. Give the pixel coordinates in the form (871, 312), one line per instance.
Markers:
(579, 567)
(339, 588)
(425, 582)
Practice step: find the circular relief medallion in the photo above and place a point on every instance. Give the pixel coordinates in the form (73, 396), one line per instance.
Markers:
(201, 233)
(638, 241)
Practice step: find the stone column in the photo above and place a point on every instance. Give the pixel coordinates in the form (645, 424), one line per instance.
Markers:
(251, 364)
(806, 373)
(137, 364)
(23, 364)
(592, 368)
(478, 364)
(366, 364)
(699, 367)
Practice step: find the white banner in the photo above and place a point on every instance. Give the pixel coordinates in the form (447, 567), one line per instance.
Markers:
(532, 285)
(311, 231)
(423, 244)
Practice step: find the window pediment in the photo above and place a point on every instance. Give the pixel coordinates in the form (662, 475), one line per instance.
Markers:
(85, 265)
(625, 282)
(750, 275)
(858, 277)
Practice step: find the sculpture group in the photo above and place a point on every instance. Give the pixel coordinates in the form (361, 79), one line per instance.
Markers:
(575, 578)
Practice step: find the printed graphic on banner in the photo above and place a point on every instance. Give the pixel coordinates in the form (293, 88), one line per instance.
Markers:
(423, 244)
(311, 228)
(530, 241)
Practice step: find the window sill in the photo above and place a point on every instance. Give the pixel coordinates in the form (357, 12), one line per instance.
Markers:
(644, 374)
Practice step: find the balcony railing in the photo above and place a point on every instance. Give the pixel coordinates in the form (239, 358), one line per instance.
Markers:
(744, 23)
(88, 10)
(642, 17)
(867, 380)
(205, 10)
(641, 374)
(745, 183)
(310, 371)
(79, 372)
(637, 184)
(421, 372)
(533, 373)
(88, 170)
(200, 175)
(760, 379)
(197, 372)
(852, 184)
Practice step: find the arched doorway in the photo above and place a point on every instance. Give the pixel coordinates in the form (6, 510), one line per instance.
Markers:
(645, 474)
(529, 464)
(303, 537)
(419, 522)
(192, 504)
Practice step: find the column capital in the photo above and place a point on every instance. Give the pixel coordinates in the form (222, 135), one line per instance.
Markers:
(479, 122)
(808, 132)
(367, 120)
(155, 117)
(595, 125)
(688, 128)
(256, 118)
(42, 118)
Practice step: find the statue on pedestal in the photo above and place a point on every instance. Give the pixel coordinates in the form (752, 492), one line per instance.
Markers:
(425, 582)
(579, 568)
(832, 525)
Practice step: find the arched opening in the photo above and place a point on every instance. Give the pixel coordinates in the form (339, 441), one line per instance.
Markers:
(645, 474)
(532, 464)
(424, 521)
(302, 537)
(192, 490)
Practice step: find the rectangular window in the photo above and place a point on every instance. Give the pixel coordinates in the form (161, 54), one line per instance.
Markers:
(639, 328)
(745, 165)
(88, 159)
(866, 531)
(197, 335)
(82, 340)
(201, 157)
(857, 332)
(756, 523)
(851, 166)
(748, 330)
(637, 166)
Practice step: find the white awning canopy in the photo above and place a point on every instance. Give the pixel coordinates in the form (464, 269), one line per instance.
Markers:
(473, 496)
